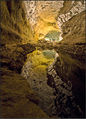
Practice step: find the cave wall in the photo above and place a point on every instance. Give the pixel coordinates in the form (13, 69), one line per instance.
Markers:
(17, 100)
(70, 65)
(71, 19)
(16, 42)
(14, 23)
(15, 35)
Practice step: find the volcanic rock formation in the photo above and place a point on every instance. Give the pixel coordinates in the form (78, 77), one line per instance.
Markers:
(17, 99)
(24, 22)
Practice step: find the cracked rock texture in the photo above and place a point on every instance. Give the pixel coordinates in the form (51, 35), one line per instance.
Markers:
(50, 15)
(65, 79)
(64, 102)
(17, 100)
(42, 16)
(70, 9)
(70, 64)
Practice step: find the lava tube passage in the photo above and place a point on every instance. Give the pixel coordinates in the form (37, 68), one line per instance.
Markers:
(42, 57)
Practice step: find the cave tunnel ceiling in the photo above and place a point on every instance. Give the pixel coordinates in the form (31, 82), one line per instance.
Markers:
(42, 80)
(42, 16)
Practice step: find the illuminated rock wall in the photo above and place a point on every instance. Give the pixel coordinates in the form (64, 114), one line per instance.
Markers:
(45, 16)
(42, 16)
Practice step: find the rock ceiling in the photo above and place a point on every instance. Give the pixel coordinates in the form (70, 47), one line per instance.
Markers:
(43, 15)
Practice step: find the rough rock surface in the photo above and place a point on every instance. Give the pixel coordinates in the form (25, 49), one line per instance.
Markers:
(70, 64)
(69, 10)
(41, 15)
(17, 100)
(45, 16)
(66, 77)
(14, 56)
(65, 105)
(35, 71)
(72, 70)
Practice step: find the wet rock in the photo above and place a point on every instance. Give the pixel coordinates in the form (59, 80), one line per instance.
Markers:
(17, 98)
(65, 103)
(75, 81)
(70, 64)
(36, 75)
(14, 56)
(62, 94)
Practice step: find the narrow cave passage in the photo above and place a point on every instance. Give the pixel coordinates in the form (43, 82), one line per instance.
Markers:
(42, 57)
(46, 32)
(56, 97)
